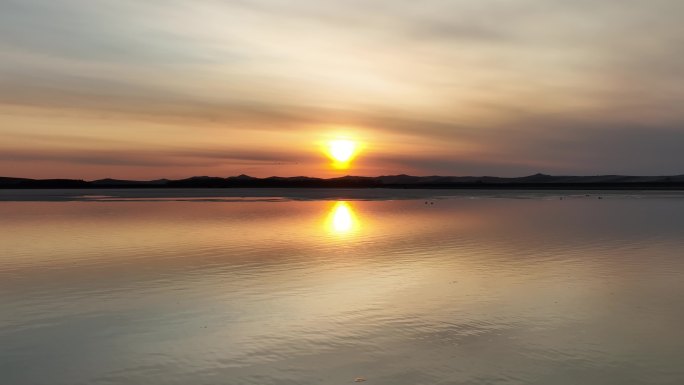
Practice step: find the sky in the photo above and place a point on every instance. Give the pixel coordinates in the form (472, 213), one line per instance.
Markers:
(173, 88)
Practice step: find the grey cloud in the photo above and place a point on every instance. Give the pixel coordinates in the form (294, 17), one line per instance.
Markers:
(117, 158)
(457, 165)
(102, 31)
(232, 154)
(149, 158)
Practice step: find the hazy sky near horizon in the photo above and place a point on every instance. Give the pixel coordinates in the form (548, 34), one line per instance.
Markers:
(175, 88)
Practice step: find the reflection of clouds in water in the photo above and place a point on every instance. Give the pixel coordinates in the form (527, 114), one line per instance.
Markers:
(342, 219)
(321, 288)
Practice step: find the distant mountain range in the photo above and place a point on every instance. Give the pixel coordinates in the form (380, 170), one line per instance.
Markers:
(536, 181)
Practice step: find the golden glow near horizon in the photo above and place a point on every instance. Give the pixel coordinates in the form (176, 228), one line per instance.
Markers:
(341, 219)
(342, 152)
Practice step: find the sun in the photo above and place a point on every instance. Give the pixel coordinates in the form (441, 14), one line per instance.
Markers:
(342, 152)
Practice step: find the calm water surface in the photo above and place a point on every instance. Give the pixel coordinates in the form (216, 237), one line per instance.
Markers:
(467, 289)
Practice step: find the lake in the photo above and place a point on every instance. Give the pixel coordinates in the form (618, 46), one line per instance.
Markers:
(335, 286)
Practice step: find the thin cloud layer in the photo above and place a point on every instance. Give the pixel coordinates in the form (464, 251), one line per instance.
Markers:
(437, 87)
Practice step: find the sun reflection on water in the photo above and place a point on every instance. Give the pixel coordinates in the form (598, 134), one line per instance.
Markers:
(342, 219)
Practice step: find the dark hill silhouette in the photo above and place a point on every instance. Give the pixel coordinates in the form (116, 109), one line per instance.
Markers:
(536, 181)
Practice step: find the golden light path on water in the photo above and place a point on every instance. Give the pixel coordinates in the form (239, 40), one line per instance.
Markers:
(341, 219)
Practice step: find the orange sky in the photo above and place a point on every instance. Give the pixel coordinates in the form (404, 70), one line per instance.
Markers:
(173, 89)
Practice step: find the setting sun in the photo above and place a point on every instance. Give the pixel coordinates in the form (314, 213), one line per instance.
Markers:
(342, 152)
